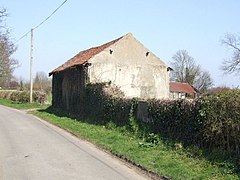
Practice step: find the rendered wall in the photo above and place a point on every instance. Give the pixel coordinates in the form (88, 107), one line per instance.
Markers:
(133, 68)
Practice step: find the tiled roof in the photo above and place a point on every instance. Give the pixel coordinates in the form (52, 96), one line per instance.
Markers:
(83, 56)
(181, 87)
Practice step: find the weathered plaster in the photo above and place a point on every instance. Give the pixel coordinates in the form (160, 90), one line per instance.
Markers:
(133, 68)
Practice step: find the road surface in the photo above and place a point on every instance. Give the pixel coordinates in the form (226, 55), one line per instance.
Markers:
(32, 149)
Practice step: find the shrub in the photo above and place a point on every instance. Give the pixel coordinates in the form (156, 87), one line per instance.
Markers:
(211, 122)
(173, 119)
(23, 96)
(39, 97)
(97, 104)
(221, 123)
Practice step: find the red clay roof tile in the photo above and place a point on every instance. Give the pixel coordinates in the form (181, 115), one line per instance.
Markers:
(83, 56)
(181, 87)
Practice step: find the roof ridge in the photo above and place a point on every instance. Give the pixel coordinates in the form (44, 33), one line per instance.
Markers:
(179, 82)
(85, 55)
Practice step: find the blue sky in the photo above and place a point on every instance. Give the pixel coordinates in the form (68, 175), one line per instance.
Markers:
(162, 26)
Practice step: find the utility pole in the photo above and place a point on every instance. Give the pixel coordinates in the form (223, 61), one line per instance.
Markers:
(31, 61)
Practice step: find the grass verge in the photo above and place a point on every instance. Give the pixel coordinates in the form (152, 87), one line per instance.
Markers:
(161, 157)
(19, 105)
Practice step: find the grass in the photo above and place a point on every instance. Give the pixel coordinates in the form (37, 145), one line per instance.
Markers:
(19, 105)
(161, 157)
(49, 98)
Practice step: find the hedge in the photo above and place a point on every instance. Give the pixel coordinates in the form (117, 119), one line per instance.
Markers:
(23, 96)
(98, 105)
(177, 120)
(220, 116)
(210, 122)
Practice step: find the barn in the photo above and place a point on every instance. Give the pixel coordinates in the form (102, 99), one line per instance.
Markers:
(123, 62)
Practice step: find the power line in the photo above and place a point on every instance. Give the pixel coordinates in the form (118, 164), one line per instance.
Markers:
(42, 21)
(50, 15)
(22, 37)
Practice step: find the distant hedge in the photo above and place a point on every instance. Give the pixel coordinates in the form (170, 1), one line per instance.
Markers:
(23, 96)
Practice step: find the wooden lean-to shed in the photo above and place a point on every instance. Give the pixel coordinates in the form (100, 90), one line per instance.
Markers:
(124, 62)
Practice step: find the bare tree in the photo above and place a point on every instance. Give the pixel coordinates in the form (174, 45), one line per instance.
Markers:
(7, 64)
(7, 48)
(41, 82)
(184, 67)
(203, 81)
(232, 65)
(186, 70)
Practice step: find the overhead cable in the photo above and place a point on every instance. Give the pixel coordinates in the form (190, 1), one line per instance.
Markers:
(42, 21)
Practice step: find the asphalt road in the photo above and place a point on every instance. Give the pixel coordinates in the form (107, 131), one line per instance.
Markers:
(33, 149)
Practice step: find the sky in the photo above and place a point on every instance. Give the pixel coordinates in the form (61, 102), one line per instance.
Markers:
(164, 27)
